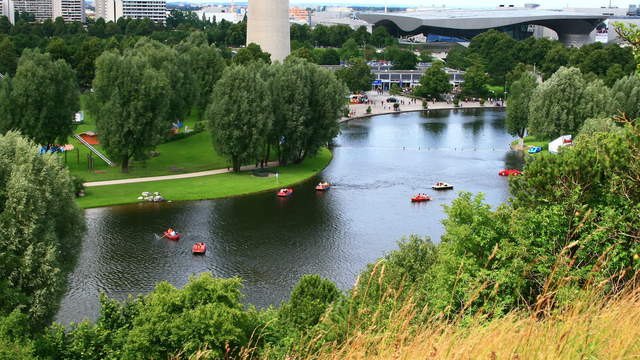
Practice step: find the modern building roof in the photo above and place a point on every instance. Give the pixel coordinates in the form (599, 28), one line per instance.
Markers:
(468, 23)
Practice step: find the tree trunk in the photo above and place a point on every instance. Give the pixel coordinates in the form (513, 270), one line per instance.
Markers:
(125, 164)
(236, 163)
(266, 157)
(521, 142)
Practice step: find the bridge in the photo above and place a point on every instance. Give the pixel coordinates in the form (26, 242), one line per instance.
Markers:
(573, 28)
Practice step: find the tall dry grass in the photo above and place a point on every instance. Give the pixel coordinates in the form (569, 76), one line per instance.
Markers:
(592, 328)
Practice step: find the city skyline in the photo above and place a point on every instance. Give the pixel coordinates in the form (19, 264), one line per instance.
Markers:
(453, 4)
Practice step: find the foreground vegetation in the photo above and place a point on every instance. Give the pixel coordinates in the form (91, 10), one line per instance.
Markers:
(565, 246)
(206, 187)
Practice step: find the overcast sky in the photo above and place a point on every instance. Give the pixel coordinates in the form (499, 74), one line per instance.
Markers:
(476, 3)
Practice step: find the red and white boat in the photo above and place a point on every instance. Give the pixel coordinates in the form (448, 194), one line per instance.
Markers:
(420, 198)
(175, 236)
(199, 248)
(323, 186)
(285, 192)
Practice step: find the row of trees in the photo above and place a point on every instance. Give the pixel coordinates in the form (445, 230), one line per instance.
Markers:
(497, 54)
(563, 103)
(291, 108)
(534, 254)
(140, 92)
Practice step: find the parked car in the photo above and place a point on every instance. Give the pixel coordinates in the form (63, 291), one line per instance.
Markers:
(392, 100)
(534, 149)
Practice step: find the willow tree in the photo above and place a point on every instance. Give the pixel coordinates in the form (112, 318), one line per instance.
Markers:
(130, 103)
(518, 109)
(206, 65)
(239, 115)
(40, 229)
(561, 104)
(627, 94)
(44, 98)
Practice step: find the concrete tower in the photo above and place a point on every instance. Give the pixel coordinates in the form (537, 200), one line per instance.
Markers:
(268, 26)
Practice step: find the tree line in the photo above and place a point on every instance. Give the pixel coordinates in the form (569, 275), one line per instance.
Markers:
(497, 54)
(569, 102)
(290, 108)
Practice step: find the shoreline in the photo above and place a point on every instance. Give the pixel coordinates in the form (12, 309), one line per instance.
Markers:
(391, 112)
(209, 187)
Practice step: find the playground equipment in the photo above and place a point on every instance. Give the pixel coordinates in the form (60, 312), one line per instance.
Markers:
(93, 150)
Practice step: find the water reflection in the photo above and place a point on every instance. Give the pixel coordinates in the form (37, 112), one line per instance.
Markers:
(270, 242)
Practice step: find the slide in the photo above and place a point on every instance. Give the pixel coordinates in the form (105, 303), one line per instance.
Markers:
(94, 150)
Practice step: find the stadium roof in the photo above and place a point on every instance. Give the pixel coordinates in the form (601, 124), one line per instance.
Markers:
(462, 22)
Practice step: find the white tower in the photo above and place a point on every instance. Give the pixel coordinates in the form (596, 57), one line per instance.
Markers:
(268, 26)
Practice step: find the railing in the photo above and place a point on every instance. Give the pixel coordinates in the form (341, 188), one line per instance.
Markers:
(94, 150)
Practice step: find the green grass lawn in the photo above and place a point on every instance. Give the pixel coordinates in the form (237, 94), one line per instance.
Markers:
(205, 187)
(194, 153)
(533, 141)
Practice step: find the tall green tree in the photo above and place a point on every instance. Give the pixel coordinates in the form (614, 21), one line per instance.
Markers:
(239, 115)
(380, 37)
(627, 95)
(327, 101)
(561, 104)
(130, 104)
(40, 229)
(520, 95)
(8, 57)
(206, 66)
(434, 82)
(44, 98)
(475, 82)
(357, 76)
(176, 68)
(252, 52)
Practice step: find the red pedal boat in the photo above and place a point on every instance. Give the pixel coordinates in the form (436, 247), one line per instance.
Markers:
(199, 248)
(175, 236)
(509, 172)
(420, 198)
(323, 186)
(285, 192)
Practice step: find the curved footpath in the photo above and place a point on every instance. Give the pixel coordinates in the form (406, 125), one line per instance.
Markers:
(173, 177)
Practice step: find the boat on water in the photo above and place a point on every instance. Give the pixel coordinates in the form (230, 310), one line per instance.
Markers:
(323, 186)
(199, 248)
(509, 172)
(420, 198)
(442, 186)
(172, 235)
(285, 192)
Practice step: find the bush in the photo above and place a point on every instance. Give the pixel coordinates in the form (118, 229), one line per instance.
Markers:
(396, 107)
(78, 185)
(369, 109)
(425, 105)
(456, 102)
(482, 101)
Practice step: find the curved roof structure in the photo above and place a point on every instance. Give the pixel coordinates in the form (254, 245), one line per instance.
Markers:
(570, 26)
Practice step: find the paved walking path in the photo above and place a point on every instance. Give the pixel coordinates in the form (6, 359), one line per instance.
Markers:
(380, 106)
(172, 177)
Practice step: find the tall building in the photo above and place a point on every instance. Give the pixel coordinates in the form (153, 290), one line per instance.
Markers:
(41, 9)
(6, 9)
(268, 26)
(69, 10)
(112, 10)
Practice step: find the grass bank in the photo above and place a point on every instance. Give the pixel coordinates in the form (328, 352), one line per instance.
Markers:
(595, 327)
(205, 187)
(190, 154)
(533, 141)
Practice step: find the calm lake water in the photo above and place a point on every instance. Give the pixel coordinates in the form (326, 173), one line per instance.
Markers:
(379, 164)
